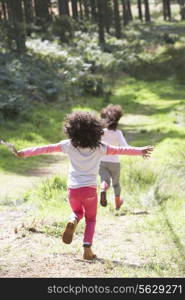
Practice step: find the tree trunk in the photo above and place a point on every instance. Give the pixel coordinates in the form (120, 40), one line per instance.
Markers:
(15, 16)
(86, 8)
(140, 13)
(108, 15)
(182, 9)
(164, 10)
(4, 13)
(100, 5)
(167, 10)
(93, 9)
(147, 11)
(42, 12)
(50, 9)
(127, 13)
(74, 9)
(28, 12)
(117, 19)
(63, 6)
(129, 10)
(81, 9)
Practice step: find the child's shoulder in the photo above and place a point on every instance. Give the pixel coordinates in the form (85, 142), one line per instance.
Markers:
(116, 131)
(111, 132)
(119, 131)
(65, 144)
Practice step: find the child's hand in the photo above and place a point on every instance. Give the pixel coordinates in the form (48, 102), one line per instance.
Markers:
(146, 151)
(11, 147)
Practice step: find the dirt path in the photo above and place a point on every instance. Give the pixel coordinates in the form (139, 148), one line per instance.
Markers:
(14, 185)
(31, 254)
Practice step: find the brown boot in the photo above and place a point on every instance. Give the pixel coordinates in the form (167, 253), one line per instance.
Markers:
(118, 202)
(103, 195)
(88, 254)
(67, 235)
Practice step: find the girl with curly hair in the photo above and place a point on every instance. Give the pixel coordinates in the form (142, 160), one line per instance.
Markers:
(85, 150)
(110, 165)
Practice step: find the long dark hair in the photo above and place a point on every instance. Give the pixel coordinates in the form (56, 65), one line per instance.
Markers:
(84, 129)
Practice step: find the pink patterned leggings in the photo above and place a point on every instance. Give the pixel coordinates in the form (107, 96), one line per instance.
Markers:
(83, 202)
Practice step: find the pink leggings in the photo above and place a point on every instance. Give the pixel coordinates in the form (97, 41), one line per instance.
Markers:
(83, 202)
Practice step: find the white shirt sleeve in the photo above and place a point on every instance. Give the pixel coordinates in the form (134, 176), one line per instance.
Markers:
(122, 140)
(65, 145)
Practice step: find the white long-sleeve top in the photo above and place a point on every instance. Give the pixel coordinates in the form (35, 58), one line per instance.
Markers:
(84, 161)
(115, 138)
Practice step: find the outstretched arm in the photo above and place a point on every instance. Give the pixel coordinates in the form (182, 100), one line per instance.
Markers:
(39, 150)
(143, 151)
(10, 146)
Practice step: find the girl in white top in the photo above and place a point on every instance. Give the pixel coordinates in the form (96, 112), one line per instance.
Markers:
(110, 165)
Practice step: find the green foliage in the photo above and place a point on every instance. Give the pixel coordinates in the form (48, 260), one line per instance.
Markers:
(54, 229)
(12, 105)
(48, 195)
(6, 35)
(176, 58)
(52, 73)
(50, 187)
(24, 80)
(138, 172)
(152, 52)
(164, 64)
(91, 84)
(12, 36)
(63, 27)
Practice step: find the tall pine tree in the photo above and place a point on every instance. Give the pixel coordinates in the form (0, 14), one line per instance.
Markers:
(182, 9)
(74, 9)
(117, 22)
(100, 6)
(147, 11)
(28, 13)
(16, 21)
(42, 14)
(140, 13)
(63, 6)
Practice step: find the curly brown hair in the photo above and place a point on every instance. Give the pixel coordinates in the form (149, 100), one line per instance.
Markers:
(112, 114)
(84, 129)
